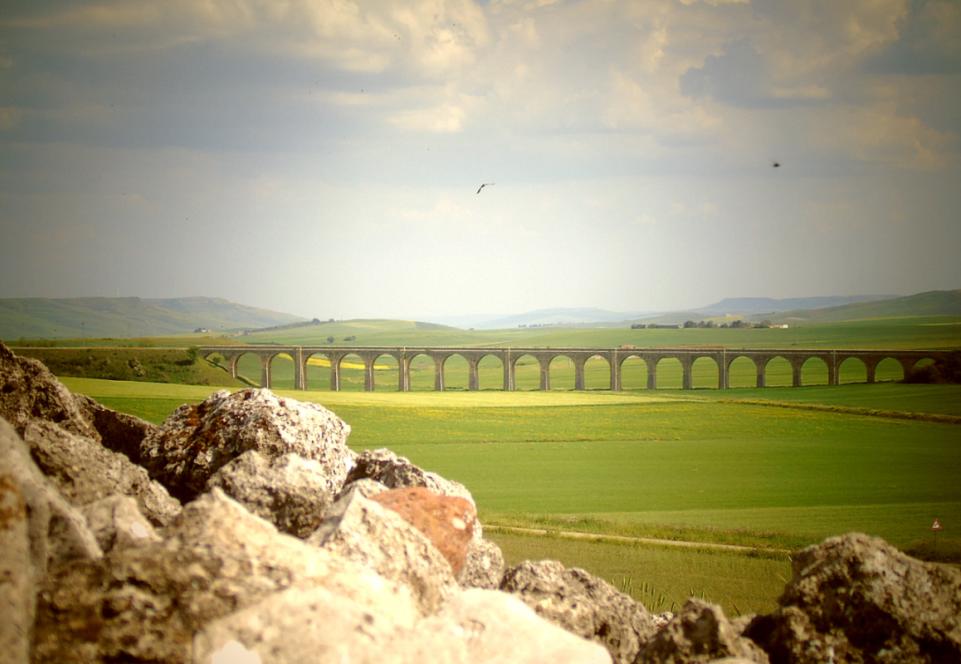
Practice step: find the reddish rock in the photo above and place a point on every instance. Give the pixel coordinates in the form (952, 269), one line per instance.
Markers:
(447, 521)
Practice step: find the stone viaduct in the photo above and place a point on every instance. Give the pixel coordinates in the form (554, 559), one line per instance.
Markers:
(615, 357)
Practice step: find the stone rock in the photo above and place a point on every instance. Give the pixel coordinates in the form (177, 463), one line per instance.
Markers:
(447, 521)
(29, 392)
(289, 491)
(699, 633)
(855, 598)
(117, 521)
(484, 567)
(197, 440)
(487, 626)
(57, 530)
(118, 431)
(583, 604)
(379, 539)
(145, 603)
(17, 574)
(368, 488)
(396, 472)
(37, 528)
(84, 471)
(287, 626)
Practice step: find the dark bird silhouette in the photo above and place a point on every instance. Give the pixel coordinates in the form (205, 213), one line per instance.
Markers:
(486, 184)
(775, 164)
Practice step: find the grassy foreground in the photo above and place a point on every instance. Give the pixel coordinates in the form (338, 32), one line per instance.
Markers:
(664, 465)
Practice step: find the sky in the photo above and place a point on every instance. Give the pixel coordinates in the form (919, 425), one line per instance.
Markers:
(322, 158)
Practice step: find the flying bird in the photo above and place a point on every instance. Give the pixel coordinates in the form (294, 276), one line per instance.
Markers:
(485, 184)
(775, 164)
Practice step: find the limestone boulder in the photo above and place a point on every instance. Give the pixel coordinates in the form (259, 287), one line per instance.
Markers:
(447, 521)
(486, 626)
(116, 521)
(855, 598)
(699, 633)
(289, 491)
(312, 624)
(37, 528)
(582, 604)
(56, 529)
(397, 472)
(197, 440)
(368, 488)
(146, 602)
(17, 574)
(29, 392)
(379, 539)
(484, 566)
(85, 471)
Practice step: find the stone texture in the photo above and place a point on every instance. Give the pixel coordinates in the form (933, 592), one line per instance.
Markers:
(368, 488)
(699, 633)
(57, 530)
(17, 574)
(379, 539)
(486, 626)
(447, 521)
(314, 625)
(37, 528)
(118, 431)
(84, 471)
(29, 392)
(484, 567)
(855, 598)
(197, 440)
(583, 604)
(396, 472)
(116, 521)
(289, 491)
(145, 603)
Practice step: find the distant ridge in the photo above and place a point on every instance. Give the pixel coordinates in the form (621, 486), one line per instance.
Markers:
(929, 303)
(48, 318)
(761, 305)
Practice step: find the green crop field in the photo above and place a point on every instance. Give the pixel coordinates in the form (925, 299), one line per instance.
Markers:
(671, 465)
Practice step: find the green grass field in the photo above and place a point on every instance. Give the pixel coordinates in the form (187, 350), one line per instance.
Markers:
(668, 464)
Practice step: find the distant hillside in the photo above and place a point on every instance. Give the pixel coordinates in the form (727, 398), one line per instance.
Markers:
(43, 318)
(931, 303)
(764, 305)
(572, 316)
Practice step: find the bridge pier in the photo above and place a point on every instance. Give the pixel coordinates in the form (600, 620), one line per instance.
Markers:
(651, 363)
(615, 371)
(545, 366)
(687, 381)
(761, 366)
(579, 374)
(795, 374)
(439, 374)
(473, 380)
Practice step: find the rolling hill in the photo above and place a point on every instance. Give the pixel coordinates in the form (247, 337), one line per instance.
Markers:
(45, 318)
(930, 303)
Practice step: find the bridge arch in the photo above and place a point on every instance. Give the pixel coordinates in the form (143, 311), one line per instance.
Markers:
(633, 371)
(778, 372)
(562, 372)
(422, 371)
(456, 371)
(705, 372)
(352, 369)
(595, 373)
(743, 371)
(668, 373)
(385, 370)
(852, 370)
(490, 371)
(814, 370)
(888, 369)
(317, 370)
(526, 369)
